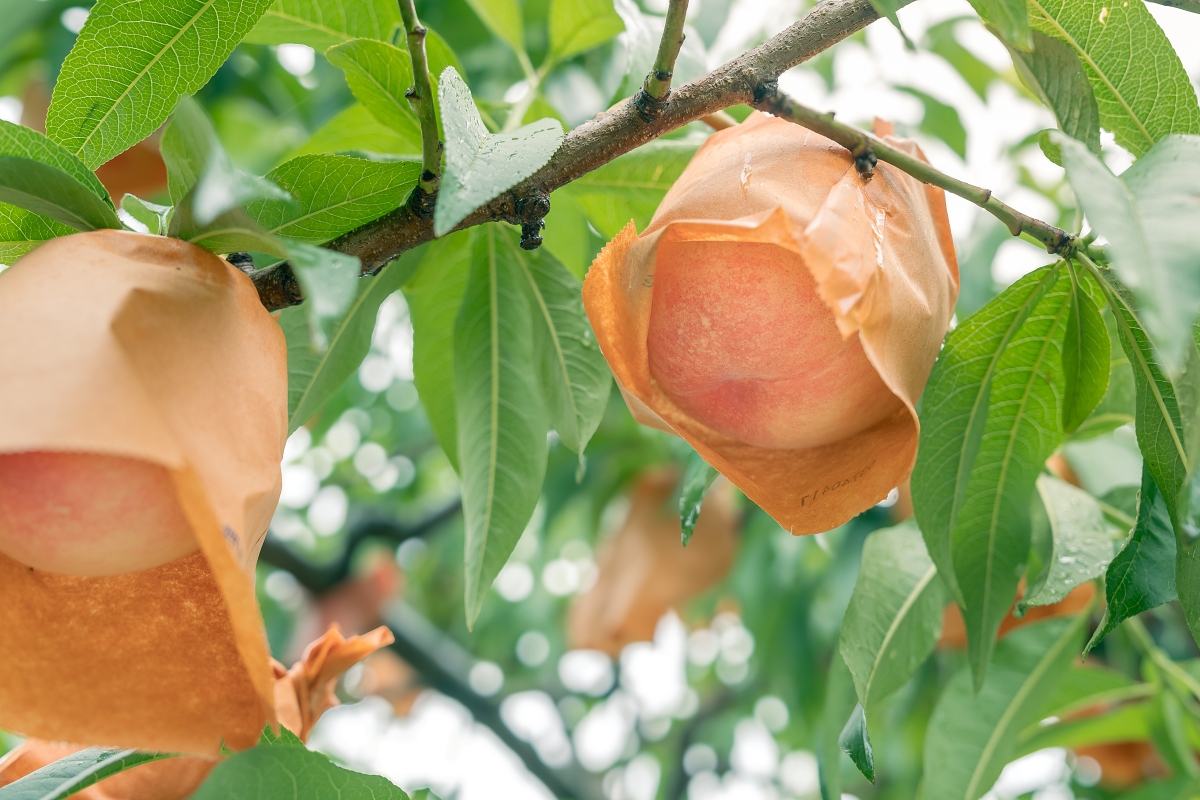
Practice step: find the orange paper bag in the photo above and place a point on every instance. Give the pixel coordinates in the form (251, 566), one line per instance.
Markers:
(782, 313)
(646, 571)
(143, 413)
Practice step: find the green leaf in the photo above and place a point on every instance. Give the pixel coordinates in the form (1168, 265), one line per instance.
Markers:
(696, 480)
(1181, 787)
(290, 773)
(855, 743)
(1141, 89)
(940, 39)
(53, 193)
(1087, 686)
(1076, 544)
(21, 231)
(1008, 18)
(314, 376)
(284, 738)
(1148, 215)
(434, 297)
(17, 140)
(187, 145)
(578, 25)
(973, 734)
(321, 24)
(990, 418)
(1165, 433)
(503, 18)
(1086, 354)
(332, 195)
(501, 423)
(1125, 723)
(479, 166)
(629, 187)
(574, 375)
(1142, 575)
(330, 283)
(356, 130)
(895, 613)
(76, 772)
(940, 120)
(1119, 403)
(887, 9)
(133, 61)
(379, 75)
(839, 704)
(1054, 73)
(156, 218)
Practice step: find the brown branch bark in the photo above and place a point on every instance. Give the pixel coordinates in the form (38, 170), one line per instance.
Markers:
(747, 79)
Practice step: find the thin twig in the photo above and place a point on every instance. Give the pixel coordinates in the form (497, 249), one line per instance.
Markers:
(866, 148)
(598, 141)
(420, 97)
(658, 81)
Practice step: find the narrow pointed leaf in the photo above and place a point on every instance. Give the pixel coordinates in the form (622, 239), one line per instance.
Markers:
(76, 772)
(972, 735)
(379, 75)
(1079, 544)
(574, 375)
(133, 61)
(990, 418)
(1142, 575)
(1086, 356)
(502, 425)
(315, 375)
(332, 195)
(1148, 215)
(696, 480)
(321, 24)
(1166, 428)
(855, 743)
(479, 165)
(955, 410)
(895, 613)
(434, 296)
(1053, 72)
(53, 193)
(839, 704)
(1141, 88)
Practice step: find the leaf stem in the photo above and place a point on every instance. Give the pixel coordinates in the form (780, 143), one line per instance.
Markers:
(420, 97)
(658, 81)
(866, 149)
(1146, 644)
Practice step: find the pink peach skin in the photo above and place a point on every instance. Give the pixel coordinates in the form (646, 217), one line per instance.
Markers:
(740, 341)
(88, 514)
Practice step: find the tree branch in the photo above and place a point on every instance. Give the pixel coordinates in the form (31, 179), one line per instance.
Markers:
(747, 79)
(658, 82)
(420, 97)
(866, 149)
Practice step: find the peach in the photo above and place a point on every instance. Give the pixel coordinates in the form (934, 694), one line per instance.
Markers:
(740, 341)
(89, 514)
(781, 313)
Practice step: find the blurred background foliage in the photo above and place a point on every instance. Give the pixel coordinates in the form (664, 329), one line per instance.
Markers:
(727, 697)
